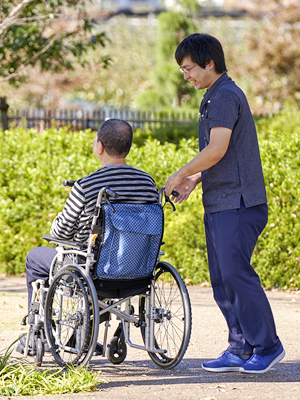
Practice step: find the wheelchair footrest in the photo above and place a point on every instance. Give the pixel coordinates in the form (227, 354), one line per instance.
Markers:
(137, 346)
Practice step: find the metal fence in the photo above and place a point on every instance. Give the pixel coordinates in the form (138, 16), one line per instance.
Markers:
(41, 119)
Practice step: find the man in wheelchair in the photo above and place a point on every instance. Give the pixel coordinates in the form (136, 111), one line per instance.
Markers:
(108, 240)
(111, 146)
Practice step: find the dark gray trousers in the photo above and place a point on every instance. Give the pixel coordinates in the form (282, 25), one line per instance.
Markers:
(231, 236)
(38, 263)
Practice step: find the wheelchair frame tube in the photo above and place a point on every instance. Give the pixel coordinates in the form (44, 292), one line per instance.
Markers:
(116, 312)
(148, 316)
(38, 294)
(126, 319)
(152, 314)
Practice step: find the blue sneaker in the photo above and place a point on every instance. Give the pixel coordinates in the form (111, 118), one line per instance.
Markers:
(260, 364)
(227, 362)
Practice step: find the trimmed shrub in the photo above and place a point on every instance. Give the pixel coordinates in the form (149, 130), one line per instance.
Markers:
(172, 133)
(277, 255)
(33, 166)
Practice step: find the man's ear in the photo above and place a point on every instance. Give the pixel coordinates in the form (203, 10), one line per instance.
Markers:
(210, 65)
(100, 147)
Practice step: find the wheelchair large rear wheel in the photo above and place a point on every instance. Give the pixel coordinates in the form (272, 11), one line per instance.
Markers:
(173, 317)
(72, 317)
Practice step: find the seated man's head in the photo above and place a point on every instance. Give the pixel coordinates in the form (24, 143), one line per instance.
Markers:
(113, 142)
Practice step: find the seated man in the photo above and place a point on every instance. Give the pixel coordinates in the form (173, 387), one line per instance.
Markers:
(111, 146)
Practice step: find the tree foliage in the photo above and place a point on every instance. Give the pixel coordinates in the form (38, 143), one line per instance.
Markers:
(273, 45)
(262, 55)
(167, 83)
(50, 33)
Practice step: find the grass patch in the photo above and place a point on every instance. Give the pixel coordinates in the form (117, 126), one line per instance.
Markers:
(18, 378)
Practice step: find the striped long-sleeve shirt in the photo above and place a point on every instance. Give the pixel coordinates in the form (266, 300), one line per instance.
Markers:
(132, 185)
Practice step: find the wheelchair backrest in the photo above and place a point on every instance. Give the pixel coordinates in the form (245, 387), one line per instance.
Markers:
(131, 242)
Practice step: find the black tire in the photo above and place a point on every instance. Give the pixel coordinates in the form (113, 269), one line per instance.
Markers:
(72, 317)
(39, 351)
(116, 350)
(173, 316)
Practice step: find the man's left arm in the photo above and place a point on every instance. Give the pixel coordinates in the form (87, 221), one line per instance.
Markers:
(207, 158)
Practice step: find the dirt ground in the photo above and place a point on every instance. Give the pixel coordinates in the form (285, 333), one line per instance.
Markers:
(138, 376)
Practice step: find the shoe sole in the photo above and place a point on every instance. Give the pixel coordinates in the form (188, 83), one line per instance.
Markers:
(222, 369)
(262, 371)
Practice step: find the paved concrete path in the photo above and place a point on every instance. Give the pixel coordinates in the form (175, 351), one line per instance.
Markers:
(139, 377)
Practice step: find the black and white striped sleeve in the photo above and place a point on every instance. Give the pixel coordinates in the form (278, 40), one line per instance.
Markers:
(65, 225)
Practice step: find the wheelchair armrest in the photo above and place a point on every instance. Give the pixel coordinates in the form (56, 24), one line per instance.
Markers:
(63, 242)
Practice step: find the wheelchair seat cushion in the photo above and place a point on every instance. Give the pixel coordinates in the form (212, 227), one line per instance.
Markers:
(132, 238)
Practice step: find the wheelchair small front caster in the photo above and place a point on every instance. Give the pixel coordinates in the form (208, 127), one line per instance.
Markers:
(39, 352)
(116, 350)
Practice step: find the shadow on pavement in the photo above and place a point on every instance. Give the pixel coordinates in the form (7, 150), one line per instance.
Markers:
(189, 371)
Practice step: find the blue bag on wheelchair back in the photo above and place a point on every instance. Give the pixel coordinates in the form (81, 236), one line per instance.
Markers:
(132, 238)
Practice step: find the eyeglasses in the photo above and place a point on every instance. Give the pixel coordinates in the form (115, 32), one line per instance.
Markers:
(187, 70)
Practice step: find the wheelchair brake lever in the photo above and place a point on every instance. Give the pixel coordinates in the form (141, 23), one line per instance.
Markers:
(23, 322)
(111, 206)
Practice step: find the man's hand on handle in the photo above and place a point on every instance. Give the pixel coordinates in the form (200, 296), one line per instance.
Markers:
(185, 189)
(183, 186)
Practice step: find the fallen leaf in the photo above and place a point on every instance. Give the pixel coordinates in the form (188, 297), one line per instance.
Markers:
(205, 284)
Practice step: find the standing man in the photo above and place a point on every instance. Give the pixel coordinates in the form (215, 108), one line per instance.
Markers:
(235, 203)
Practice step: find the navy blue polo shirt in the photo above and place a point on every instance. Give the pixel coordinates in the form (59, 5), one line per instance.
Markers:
(239, 173)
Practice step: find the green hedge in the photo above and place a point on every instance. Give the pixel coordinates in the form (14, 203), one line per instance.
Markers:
(277, 256)
(33, 166)
(172, 133)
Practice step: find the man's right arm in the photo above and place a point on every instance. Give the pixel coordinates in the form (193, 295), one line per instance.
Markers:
(208, 157)
(65, 225)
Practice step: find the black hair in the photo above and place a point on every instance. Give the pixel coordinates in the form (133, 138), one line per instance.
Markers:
(116, 136)
(202, 48)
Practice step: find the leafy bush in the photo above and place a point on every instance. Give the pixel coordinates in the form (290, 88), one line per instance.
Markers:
(277, 256)
(18, 378)
(172, 133)
(33, 165)
(32, 168)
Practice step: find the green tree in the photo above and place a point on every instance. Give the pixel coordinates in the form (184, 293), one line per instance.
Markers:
(53, 34)
(167, 84)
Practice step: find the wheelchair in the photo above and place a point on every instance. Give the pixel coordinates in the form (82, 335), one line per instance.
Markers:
(90, 284)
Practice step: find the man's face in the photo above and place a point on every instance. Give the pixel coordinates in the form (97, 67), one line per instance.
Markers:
(200, 78)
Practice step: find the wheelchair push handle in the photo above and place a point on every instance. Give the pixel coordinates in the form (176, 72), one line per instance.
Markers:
(111, 193)
(68, 183)
(162, 191)
(168, 200)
